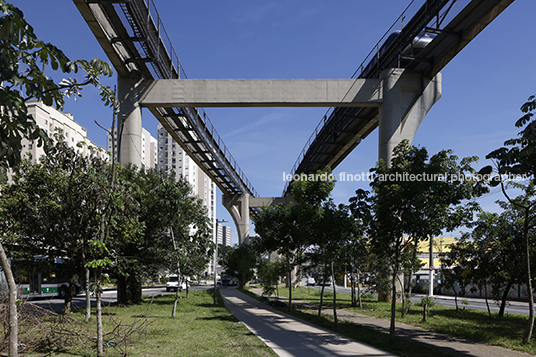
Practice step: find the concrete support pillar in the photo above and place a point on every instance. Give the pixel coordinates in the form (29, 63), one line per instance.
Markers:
(238, 207)
(129, 122)
(407, 97)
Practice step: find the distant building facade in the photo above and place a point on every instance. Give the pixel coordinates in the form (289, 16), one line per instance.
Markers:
(52, 121)
(174, 161)
(223, 235)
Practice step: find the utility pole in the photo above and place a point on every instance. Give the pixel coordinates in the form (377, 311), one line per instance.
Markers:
(431, 266)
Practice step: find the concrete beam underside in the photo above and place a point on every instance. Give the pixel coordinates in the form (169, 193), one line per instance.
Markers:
(262, 93)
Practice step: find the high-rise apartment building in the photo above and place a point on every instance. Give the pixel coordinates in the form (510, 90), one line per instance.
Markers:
(173, 160)
(52, 121)
(223, 235)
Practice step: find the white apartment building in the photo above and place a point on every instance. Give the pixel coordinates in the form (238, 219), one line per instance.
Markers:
(173, 159)
(149, 150)
(223, 235)
(53, 121)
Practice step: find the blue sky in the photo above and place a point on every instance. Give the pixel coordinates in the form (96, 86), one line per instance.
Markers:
(483, 87)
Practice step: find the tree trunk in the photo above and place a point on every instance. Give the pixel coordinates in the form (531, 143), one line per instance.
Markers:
(424, 312)
(359, 288)
(393, 307)
(526, 247)
(352, 286)
(289, 281)
(504, 299)
(401, 281)
(13, 315)
(128, 289)
(71, 292)
(175, 303)
(487, 302)
(98, 294)
(88, 296)
(410, 277)
(321, 300)
(334, 296)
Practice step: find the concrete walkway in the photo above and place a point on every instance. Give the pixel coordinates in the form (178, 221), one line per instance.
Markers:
(289, 336)
(445, 343)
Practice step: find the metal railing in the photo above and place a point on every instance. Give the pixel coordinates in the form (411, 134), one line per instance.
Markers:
(167, 65)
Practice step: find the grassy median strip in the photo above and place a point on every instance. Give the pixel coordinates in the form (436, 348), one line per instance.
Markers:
(198, 329)
(474, 325)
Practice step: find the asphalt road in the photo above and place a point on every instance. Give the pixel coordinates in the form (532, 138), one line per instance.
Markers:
(108, 297)
(514, 307)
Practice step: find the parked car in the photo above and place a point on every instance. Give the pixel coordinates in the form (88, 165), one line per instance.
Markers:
(174, 284)
(309, 280)
(327, 282)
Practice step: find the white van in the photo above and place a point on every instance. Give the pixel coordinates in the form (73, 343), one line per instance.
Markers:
(173, 283)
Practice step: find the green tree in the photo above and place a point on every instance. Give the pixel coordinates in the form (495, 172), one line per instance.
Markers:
(518, 159)
(417, 196)
(278, 230)
(23, 59)
(354, 259)
(176, 234)
(333, 227)
(55, 205)
(65, 206)
(269, 273)
(288, 229)
(241, 264)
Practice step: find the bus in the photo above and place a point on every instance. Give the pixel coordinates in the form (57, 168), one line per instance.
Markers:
(43, 280)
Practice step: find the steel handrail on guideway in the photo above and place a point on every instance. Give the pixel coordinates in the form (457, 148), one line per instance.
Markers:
(453, 22)
(132, 34)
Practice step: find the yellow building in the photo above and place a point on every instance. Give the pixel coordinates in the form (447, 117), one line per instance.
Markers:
(439, 244)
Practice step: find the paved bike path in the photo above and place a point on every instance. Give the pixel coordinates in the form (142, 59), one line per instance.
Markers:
(289, 336)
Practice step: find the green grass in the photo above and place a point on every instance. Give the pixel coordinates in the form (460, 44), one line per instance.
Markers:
(471, 324)
(199, 328)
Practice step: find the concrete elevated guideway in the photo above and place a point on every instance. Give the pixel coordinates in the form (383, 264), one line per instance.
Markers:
(395, 89)
(133, 37)
(343, 128)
